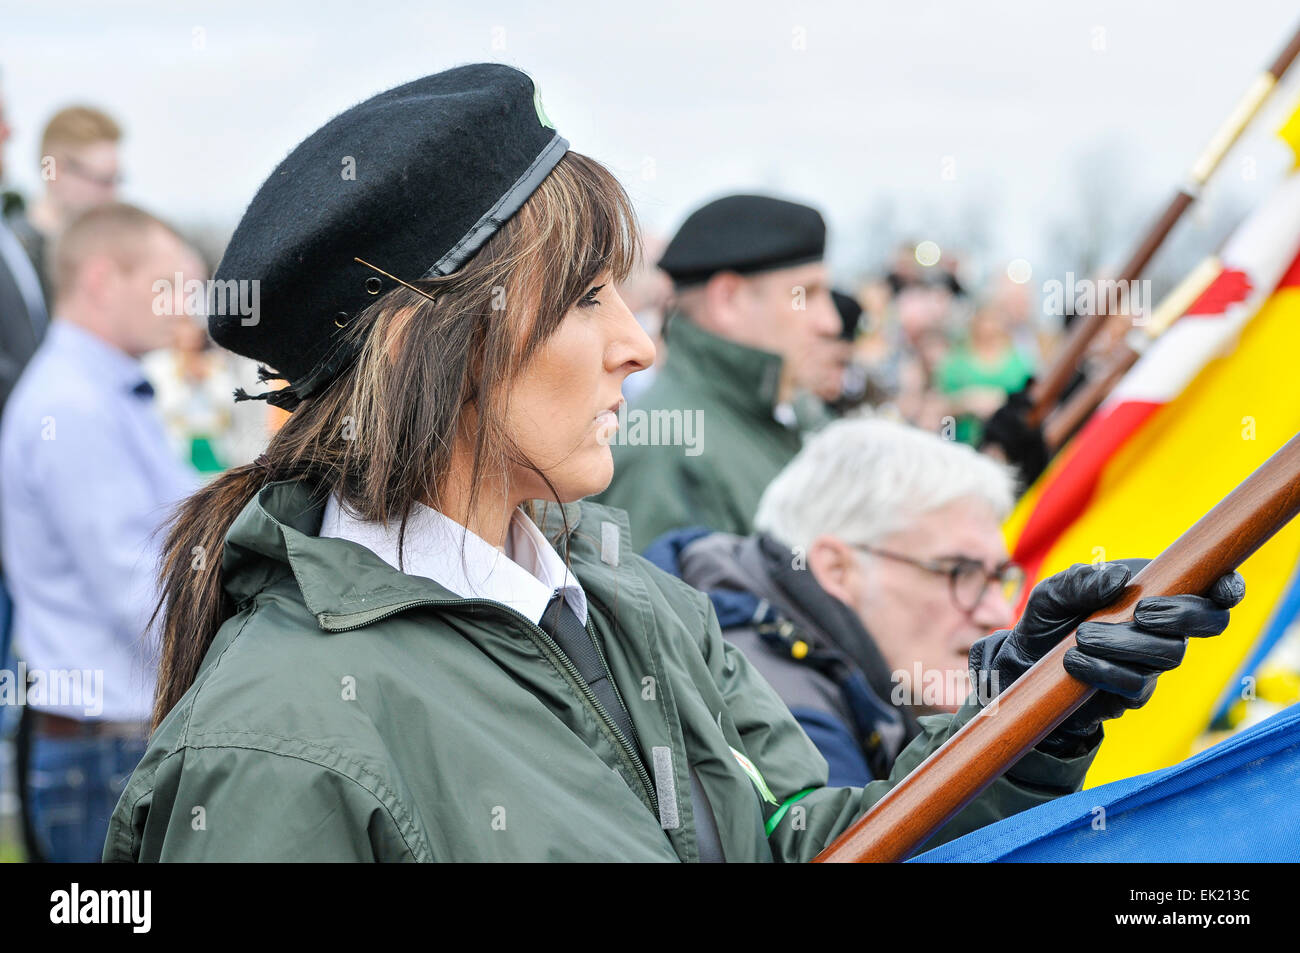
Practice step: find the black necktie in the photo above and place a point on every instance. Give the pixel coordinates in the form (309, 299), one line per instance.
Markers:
(143, 390)
(563, 625)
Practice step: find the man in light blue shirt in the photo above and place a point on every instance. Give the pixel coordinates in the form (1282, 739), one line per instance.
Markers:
(88, 480)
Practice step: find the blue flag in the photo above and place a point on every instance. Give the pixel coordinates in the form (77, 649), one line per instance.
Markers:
(1236, 801)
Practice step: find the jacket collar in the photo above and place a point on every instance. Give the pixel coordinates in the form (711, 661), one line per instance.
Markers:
(763, 567)
(744, 377)
(343, 584)
(523, 574)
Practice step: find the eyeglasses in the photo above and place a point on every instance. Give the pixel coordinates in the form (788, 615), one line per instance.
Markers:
(968, 579)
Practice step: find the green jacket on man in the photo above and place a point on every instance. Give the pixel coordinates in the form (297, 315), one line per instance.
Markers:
(731, 390)
(349, 711)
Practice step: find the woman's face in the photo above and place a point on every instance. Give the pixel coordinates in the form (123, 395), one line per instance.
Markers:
(564, 406)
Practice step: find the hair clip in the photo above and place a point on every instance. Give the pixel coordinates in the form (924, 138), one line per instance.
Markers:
(395, 278)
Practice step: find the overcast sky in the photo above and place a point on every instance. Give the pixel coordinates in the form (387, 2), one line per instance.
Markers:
(935, 107)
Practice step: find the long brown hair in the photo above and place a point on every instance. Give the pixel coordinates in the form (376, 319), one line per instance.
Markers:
(381, 435)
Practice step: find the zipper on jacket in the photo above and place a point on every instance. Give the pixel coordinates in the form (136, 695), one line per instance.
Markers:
(628, 750)
(591, 634)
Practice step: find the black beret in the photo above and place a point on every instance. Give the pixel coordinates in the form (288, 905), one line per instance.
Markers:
(413, 181)
(850, 313)
(744, 234)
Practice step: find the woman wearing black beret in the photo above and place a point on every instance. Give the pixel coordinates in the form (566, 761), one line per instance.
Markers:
(400, 635)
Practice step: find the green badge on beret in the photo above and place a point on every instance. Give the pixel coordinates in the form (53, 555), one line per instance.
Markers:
(541, 113)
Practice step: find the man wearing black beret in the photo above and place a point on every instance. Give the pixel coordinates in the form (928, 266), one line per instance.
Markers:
(753, 325)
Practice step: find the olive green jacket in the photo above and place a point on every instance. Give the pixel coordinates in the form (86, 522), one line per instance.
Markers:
(349, 711)
(731, 391)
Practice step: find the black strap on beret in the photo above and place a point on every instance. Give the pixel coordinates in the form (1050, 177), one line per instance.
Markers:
(506, 206)
(416, 178)
(285, 398)
(341, 356)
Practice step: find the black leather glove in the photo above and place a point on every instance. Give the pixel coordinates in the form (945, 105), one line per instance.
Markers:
(1021, 444)
(1120, 659)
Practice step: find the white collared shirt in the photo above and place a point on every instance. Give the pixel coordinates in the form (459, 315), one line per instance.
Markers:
(524, 577)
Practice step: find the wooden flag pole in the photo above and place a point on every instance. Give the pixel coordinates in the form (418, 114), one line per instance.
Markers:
(1050, 385)
(1068, 417)
(1043, 697)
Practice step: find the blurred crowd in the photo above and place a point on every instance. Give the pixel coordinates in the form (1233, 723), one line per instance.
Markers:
(81, 170)
(924, 345)
(930, 348)
(116, 279)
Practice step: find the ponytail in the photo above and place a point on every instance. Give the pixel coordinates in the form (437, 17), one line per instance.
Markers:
(193, 604)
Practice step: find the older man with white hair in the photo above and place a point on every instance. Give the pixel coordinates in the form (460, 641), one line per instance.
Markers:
(877, 572)
(904, 528)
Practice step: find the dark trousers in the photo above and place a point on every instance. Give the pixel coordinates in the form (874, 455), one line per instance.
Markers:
(22, 732)
(73, 785)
